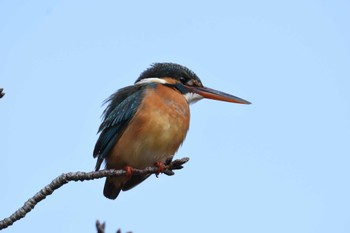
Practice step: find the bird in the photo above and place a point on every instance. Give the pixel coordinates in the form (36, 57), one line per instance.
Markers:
(145, 124)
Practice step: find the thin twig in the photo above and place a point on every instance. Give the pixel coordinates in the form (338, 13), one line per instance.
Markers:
(1, 92)
(82, 176)
(100, 227)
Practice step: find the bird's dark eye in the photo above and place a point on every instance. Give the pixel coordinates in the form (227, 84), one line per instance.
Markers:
(186, 81)
(183, 80)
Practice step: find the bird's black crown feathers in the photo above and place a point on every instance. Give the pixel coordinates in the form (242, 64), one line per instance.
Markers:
(167, 69)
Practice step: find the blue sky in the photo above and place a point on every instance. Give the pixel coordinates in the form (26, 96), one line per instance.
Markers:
(278, 165)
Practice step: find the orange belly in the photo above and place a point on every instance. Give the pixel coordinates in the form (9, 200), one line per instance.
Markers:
(156, 131)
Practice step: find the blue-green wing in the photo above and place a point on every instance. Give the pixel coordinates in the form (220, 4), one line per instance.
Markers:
(121, 108)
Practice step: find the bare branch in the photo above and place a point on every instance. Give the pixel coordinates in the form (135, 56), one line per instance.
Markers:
(82, 176)
(100, 227)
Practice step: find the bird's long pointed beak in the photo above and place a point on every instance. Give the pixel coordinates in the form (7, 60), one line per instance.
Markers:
(218, 95)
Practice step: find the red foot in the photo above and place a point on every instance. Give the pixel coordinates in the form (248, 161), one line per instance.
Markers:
(129, 170)
(161, 167)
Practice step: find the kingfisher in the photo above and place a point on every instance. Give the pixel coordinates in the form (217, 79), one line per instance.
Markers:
(144, 124)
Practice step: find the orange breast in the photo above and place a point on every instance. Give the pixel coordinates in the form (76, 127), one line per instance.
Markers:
(155, 132)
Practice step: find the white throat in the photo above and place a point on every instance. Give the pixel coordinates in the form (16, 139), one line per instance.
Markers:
(192, 97)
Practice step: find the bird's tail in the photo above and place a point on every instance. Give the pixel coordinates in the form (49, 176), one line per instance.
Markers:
(113, 186)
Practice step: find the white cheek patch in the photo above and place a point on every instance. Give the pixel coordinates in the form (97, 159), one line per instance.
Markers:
(151, 80)
(192, 97)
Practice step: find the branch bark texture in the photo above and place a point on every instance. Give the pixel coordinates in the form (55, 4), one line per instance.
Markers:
(82, 176)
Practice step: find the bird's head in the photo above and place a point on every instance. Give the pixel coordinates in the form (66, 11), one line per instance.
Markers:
(185, 81)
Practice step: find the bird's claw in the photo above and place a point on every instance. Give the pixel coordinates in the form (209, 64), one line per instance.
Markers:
(161, 167)
(128, 171)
